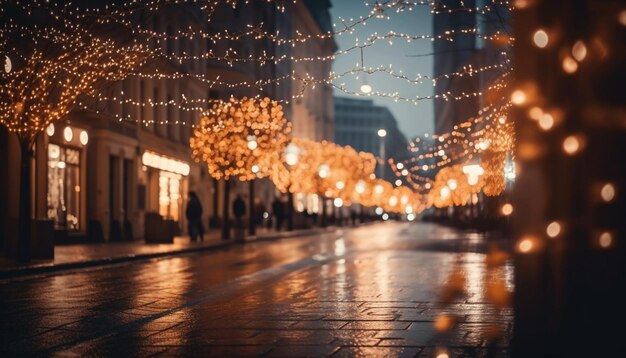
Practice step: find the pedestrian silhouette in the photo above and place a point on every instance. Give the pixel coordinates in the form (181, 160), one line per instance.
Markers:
(194, 217)
(239, 209)
(279, 212)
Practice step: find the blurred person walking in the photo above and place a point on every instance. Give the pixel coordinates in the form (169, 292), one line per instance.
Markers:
(194, 217)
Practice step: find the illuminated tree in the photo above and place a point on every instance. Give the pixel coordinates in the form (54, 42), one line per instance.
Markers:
(321, 168)
(240, 139)
(52, 61)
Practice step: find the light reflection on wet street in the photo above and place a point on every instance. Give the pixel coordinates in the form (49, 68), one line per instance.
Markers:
(376, 290)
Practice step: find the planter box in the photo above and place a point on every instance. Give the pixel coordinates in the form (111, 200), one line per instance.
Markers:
(157, 230)
(41, 239)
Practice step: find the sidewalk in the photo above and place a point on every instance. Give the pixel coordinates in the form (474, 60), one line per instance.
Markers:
(67, 257)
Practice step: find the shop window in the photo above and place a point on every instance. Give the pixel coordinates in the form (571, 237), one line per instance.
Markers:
(169, 195)
(63, 199)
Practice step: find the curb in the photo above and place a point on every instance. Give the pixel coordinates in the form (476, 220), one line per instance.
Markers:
(52, 268)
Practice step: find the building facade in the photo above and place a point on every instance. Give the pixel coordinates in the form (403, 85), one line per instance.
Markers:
(357, 122)
(450, 57)
(466, 52)
(101, 173)
(468, 63)
(312, 105)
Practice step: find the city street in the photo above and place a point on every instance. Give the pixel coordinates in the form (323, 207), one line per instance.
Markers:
(374, 290)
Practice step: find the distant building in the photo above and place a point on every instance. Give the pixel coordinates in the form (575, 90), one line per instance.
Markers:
(465, 51)
(357, 122)
(313, 112)
(451, 56)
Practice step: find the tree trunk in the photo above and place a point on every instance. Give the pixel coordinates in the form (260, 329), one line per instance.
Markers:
(216, 194)
(570, 287)
(252, 216)
(23, 246)
(324, 211)
(289, 211)
(226, 223)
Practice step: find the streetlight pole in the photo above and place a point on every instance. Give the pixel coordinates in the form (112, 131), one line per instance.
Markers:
(292, 156)
(226, 223)
(252, 145)
(252, 215)
(382, 133)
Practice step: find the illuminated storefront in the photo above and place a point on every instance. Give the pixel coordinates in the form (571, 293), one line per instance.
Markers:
(64, 198)
(166, 182)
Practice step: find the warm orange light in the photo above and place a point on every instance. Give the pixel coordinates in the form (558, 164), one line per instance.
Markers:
(507, 209)
(535, 113)
(571, 145)
(605, 239)
(569, 65)
(240, 137)
(540, 38)
(621, 17)
(546, 122)
(518, 97)
(607, 192)
(525, 245)
(444, 322)
(522, 4)
(579, 51)
(553, 229)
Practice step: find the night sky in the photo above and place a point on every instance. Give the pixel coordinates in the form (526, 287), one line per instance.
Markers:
(413, 119)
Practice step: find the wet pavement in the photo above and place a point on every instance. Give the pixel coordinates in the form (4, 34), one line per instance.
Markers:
(98, 254)
(388, 289)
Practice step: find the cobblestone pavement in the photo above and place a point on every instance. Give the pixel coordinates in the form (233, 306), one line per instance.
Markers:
(371, 291)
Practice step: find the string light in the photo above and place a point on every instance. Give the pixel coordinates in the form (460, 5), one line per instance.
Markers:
(540, 38)
(527, 244)
(579, 51)
(607, 193)
(546, 121)
(605, 239)
(459, 145)
(223, 138)
(518, 97)
(571, 145)
(569, 65)
(553, 229)
(65, 62)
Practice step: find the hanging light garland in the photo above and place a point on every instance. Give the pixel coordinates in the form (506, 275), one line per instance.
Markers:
(451, 149)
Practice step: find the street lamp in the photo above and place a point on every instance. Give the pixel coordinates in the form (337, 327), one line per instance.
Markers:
(382, 133)
(323, 171)
(252, 145)
(292, 156)
(473, 171)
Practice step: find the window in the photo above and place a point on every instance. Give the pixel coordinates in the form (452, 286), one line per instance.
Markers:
(63, 199)
(169, 195)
